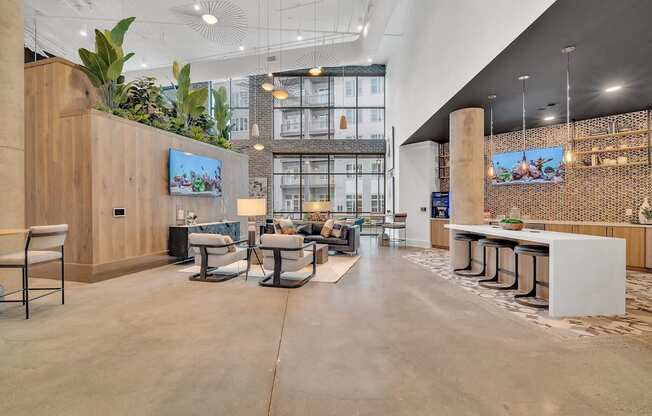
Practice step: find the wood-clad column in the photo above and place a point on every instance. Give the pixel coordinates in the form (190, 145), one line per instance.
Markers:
(12, 124)
(466, 173)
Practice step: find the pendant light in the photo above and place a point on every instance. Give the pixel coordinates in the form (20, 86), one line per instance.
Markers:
(255, 131)
(268, 84)
(343, 124)
(315, 70)
(524, 166)
(491, 172)
(280, 93)
(568, 155)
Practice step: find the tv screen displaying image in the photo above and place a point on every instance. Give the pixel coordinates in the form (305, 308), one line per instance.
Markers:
(193, 175)
(545, 165)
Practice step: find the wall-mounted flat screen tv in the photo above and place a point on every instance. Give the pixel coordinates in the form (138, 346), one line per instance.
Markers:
(194, 175)
(545, 165)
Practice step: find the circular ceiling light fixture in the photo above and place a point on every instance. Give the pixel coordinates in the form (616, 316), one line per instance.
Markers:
(280, 94)
(316, 71)
(613, 88)
(219, 21)
(209, 19)
(259, 146)
(83, 32)
(267, 86)
(242, 48)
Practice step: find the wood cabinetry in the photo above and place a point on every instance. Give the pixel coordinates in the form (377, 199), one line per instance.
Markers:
(560, 228)
(635, 238)
(599, 230)
(439, 236)
(648, 248)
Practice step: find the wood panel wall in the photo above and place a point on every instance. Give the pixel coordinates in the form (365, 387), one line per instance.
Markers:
(82, 163)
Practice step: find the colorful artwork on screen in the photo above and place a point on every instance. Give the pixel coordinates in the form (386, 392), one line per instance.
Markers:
(544, 165)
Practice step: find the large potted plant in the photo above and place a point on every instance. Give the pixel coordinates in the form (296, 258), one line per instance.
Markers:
(104, 66)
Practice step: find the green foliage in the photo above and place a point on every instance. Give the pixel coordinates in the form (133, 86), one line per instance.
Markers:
(104, 66)
(189, 104)
(647, 213)
(145, 97)
(511, 221)
(222, 113)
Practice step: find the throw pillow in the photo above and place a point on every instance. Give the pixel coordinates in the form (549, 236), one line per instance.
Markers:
(305, 229)
(229, 240)
(327, 228)
(338, 226)
(287, 226)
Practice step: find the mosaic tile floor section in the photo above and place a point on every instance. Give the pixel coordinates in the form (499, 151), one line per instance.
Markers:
(637, 321)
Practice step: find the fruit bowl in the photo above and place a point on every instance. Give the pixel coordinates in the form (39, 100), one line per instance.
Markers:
(512, 224)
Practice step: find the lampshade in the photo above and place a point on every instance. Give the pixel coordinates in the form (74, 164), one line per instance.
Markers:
(252, 207)
(255, 131)
(316, 206)
(315, 71)
(267, 86)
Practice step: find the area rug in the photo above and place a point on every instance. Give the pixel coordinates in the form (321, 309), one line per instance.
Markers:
(330, 272)
(637, 319)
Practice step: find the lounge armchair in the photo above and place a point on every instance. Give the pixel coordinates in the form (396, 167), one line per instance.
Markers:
(285, 253)
(211, 252)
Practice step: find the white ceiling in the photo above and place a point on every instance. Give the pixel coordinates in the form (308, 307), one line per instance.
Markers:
(158, 37)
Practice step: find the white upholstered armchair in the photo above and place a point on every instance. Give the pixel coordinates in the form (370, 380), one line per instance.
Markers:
(213, 251)
(285, 253)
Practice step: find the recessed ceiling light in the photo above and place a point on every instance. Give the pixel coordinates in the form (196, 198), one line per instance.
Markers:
(299, 35)
(209, 19)
(197, 7)
(370, 60)
(143, 65)
(548, 118)
(359, 28)
(83, 32)
(241, 48)
(613, 88)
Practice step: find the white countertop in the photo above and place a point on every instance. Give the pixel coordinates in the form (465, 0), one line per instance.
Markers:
(536, 236)
(535, 221)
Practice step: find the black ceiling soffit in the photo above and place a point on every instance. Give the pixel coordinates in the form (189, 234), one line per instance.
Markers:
(614, 47)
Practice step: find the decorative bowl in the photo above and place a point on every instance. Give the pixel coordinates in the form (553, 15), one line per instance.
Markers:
(511, 226)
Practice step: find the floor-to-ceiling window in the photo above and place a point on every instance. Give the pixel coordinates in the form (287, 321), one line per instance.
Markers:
(316, 105)
(353, 183)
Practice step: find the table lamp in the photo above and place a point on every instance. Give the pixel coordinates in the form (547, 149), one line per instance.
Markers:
(251, 208)
(316, 209)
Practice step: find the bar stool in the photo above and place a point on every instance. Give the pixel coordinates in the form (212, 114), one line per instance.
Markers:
(530, 298)
(469, 238)
(492, 282)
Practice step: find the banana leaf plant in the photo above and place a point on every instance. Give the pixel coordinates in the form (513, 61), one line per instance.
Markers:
(189, 104)
(104, 66)
(222, 114)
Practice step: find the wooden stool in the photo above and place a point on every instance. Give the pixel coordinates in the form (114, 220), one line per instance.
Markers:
(469, 238)
(492, 282)
(530, 298)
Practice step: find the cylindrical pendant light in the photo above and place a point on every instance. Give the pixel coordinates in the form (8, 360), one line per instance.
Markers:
(255, 131)
(343, 124)
(491, 172)
(524, 163)
(568, 155)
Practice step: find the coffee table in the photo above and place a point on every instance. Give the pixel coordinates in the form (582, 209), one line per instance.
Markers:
(321, 253)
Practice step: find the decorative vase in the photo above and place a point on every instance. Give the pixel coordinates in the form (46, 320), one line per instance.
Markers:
(645, 206)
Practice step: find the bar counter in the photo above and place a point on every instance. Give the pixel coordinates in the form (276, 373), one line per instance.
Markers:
(586, 273)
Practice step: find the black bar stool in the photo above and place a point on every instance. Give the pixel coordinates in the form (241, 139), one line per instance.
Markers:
(492, 282)
(530, 298)
(469, 238)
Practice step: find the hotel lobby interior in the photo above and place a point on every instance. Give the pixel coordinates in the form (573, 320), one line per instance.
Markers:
(326, 207)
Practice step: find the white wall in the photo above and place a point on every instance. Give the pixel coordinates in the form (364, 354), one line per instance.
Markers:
(416, 182)
(433, 48)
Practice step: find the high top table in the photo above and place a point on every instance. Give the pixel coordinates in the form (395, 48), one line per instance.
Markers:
(586, 273)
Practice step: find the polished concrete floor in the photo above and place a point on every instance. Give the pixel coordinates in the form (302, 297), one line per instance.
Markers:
(389, 339)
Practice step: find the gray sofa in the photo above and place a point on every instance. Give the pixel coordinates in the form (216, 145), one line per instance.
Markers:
(348, 242)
